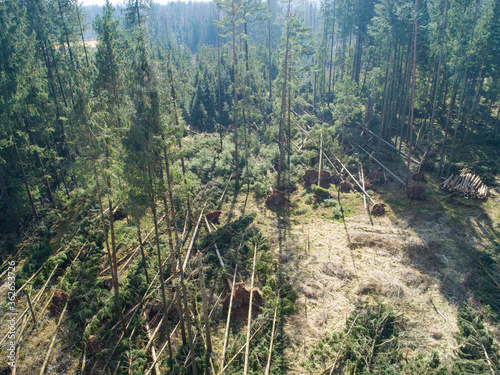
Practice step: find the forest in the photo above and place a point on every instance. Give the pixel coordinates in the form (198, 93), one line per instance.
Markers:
(250, 187)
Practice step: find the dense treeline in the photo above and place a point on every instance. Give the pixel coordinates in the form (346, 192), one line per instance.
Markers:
(99, 124)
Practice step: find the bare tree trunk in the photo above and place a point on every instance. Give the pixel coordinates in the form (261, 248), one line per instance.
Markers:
(81, 33)
(144, 264)
(431, 130)
(160, 262)
(205, 315)
(283, 100)
(448, 117)
(218, 78)
(235, 130)
(410, 146)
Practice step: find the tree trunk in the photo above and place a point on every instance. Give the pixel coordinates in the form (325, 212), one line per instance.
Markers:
(218, 79)
(235, 127)
(160, 262)
(431, 130)
(283, 101)
(410, 147)
(144, 264)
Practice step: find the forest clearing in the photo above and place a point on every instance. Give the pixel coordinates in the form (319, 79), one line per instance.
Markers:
(247, 187)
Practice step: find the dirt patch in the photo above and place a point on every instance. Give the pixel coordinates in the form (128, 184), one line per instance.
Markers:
(416, 191)
(213, 217)
(378, 209)
(58, 301)
(277, 199)
(241, 302)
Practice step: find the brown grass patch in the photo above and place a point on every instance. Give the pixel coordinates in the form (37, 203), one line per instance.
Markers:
(381, 283)
(336, 269)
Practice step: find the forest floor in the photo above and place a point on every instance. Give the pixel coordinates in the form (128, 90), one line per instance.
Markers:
(416, 258)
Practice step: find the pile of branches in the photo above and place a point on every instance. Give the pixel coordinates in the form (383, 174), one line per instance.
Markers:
(467, 184)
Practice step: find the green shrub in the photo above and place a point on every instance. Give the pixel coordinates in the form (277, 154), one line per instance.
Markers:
(330, 202)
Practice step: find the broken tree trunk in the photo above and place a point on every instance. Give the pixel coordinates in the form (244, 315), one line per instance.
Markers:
(226, 333)
(188, 254)
(249, 323)
(383, 166)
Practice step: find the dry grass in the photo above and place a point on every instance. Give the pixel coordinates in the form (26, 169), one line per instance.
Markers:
(381, 283)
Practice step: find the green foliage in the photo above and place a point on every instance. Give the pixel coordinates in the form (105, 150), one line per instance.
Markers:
(369, 344)
(477, 350)
(320, 193)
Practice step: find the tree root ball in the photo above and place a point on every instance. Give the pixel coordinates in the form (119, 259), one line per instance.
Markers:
(213, 217)
(58, 301)
(378, 209)
(335, 179)
(416, 191)
(419, 177)
(277, 199)
(345, 186)
(241, 302)
(388, 157)
(375, 177)
(120, 214)
(311, 178)
(93, 345)
(427, 166)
